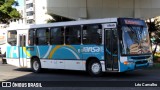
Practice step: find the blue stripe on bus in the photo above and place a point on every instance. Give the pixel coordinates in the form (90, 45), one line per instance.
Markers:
(73, 52)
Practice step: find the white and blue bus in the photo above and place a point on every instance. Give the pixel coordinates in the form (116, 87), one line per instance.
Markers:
(95, 46)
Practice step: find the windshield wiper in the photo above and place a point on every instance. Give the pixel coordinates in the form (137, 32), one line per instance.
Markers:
(133, 31)
(138, 34)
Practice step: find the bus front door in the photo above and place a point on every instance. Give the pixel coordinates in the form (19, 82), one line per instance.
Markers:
(22, 56)
(111, 50)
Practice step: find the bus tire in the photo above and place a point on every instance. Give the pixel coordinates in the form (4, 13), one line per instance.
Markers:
(94, 68)
(36, 65)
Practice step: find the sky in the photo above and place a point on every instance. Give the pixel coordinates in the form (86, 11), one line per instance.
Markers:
(21, 3)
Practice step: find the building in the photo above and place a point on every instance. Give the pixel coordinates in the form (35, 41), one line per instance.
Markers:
(30, 11)
(19, 21)
(37, 10)
(3, 26)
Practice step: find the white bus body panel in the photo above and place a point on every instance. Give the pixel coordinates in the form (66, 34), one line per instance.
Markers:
(63, 64)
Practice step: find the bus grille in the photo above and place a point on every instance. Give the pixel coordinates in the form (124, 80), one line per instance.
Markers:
(143, 57)
(141, 62)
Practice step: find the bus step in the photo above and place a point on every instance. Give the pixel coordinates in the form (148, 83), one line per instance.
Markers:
(110, 69)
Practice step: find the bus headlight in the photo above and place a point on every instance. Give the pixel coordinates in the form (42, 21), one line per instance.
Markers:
(125, 62)
(128, 62)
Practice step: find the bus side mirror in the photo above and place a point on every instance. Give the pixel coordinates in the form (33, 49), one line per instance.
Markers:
(120, 32)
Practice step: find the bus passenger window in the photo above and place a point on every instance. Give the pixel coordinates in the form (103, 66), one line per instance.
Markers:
(12, 38)
(73, 35)
(92, 34)
(31, 37)
(57, 36)
(42, 36)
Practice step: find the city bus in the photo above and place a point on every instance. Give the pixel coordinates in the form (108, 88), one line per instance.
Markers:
(95, 45)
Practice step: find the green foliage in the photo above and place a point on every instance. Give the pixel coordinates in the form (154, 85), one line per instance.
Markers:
(1, 2)
(7, 11)
(50, 21)
(153, 26)
(154, 30)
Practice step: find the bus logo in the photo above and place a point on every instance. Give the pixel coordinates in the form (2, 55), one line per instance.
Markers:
(109, 25)
(92, 49)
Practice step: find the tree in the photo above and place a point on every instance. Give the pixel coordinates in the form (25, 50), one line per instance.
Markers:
(154, 32)
(7, 11)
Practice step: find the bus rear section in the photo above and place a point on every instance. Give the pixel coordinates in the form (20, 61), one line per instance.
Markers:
(16, 48)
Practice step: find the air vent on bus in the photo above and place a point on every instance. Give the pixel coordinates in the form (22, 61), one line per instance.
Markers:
(141, 57)
(141, 62)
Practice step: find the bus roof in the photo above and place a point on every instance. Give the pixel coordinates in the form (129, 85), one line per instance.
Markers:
(57, 24)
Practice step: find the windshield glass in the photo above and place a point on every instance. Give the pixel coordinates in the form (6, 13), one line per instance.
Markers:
(135, 40)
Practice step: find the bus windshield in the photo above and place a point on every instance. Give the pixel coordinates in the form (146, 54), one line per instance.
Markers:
(135, 40)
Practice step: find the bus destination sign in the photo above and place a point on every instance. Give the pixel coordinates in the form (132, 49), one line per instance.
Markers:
(132, 22)
(127, 21)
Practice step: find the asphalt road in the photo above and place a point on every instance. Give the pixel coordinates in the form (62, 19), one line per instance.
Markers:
(12, 73)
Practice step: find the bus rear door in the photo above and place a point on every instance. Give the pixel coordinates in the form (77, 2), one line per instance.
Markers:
(22, 50)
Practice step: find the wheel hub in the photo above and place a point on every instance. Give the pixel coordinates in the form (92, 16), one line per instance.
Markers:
(95, 68)
(36, 65)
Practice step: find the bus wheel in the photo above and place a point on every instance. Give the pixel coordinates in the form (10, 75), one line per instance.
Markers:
(94, 68)
(36, 66)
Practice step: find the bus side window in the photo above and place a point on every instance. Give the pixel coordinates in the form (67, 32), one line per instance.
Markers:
(57, 36)
(92, 34)
(31, 37)
(73, 35)
(12, 38)
(42, 36)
